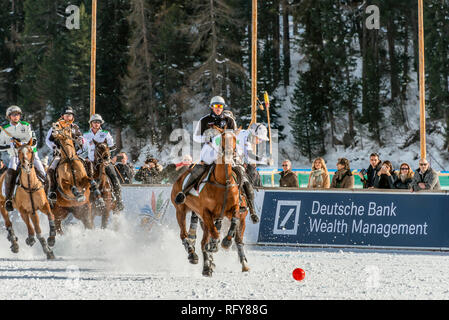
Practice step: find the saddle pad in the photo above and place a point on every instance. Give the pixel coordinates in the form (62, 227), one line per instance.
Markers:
(193, 191)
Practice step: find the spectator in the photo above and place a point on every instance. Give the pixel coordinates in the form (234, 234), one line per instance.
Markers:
(150, 172)
(405, 177)
(126, 171)
(425, 178)
(319, 177)
(371, 172)
(3, 168)
(182, 166)
(288, 178)
(385, 177)
(343, 178)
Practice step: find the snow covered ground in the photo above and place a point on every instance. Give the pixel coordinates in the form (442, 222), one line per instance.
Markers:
(133, 264)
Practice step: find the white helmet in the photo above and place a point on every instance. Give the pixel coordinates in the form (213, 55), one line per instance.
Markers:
(217, 100)
(12, 109)
(96, 117)
(259, 131)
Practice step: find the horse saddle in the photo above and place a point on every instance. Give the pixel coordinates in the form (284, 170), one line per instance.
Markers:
(198, 187)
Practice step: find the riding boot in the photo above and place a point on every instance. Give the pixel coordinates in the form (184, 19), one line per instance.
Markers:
(249, 192)
(118, 197)
(10, 183)
(41, 176)
(51, 173)
(110, 171)
(197, 171)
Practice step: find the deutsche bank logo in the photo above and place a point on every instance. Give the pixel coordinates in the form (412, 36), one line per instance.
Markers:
(287, 216)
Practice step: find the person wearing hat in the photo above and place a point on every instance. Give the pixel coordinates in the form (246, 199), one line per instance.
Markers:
(150, 172)
(96, 133)
(66, 120)
(343, 178)
(247, 159)
(19, 131)
(204, 133)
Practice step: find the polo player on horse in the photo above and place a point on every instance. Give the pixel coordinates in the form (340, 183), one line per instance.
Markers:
(67, 120)
(205, 134)
(96, 133)
(19, 131)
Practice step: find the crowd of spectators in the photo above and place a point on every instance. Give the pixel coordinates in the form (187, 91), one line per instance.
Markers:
(378, 175)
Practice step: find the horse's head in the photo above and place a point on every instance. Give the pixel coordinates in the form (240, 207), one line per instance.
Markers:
(102, 153)
(61, 133)
(228, 143)
(26, 155)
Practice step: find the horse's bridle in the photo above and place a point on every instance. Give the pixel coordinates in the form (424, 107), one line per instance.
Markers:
(100, 157)
(28, 169)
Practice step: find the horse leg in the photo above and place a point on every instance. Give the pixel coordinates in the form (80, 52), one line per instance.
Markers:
(227, 241)
(105, 213)
(84, 213)
(181, 212)
(193, 257)
(207, 255)
(60, 213)
(11, 235)
(212, 246)
(47, 250)
(26, 218)
(239, 243)
(51, 222)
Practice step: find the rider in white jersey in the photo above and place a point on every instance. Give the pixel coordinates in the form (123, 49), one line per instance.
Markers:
(21, 132)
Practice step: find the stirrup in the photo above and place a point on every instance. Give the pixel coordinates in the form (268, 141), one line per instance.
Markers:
(8, 205)
(180, 198)
(52, 196)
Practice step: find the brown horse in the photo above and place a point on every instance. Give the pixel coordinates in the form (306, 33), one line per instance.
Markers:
(219, 198)
(102, 160)
(73, 189)
(29, 198)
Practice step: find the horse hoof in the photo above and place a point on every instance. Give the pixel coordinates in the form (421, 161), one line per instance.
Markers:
(30, 241)
(50, 255)
(245, 268)
(226, 243)
(207, 272)
(193, 258)
(15, 248)
(51, 241)
(254, 218)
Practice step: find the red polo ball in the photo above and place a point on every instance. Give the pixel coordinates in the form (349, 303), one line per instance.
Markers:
(299, 274)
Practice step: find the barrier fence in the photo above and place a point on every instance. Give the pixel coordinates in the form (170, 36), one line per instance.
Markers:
(336, 218)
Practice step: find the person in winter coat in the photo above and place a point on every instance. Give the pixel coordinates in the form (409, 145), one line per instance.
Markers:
(371, 172)
(150, 172)
(385, 177)
(425, 178)
(288, 178)
(125, 170)
(343, 178)
(319, 177)
(405, 177)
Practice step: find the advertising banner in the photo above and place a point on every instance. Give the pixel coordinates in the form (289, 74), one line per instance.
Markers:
(355, 218)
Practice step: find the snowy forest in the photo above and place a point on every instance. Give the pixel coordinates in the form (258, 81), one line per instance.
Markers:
(334, 83)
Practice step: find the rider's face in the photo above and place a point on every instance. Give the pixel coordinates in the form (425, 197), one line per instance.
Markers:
(217, 111)
(68, 117)
(96, 125)
(14, 117)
